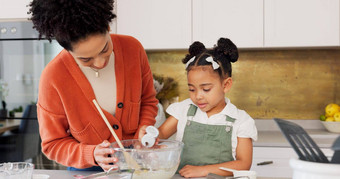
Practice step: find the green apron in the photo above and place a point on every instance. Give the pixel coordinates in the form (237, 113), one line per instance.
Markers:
(206, 144)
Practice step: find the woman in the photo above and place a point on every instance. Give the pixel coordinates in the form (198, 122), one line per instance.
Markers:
(113, 69)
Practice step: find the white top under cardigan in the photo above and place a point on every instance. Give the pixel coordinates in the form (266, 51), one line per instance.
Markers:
(104, 86)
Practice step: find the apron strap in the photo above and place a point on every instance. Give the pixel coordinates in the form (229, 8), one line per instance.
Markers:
(229, 119)
(230, 122)
(192, 110)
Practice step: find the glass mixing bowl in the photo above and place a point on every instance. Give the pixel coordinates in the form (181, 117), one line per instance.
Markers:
(159, 161)
(16, 170)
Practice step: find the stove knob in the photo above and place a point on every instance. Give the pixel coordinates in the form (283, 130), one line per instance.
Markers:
(3, 30)
(13, 30)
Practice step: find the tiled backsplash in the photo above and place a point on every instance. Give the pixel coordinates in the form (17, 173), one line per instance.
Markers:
(291, 84)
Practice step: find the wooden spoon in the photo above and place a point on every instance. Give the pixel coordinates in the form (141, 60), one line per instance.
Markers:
(129, 160)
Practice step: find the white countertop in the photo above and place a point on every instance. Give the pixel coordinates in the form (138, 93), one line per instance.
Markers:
(269, 136)
(65, 174)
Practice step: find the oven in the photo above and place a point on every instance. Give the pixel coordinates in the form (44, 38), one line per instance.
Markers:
(22, 59)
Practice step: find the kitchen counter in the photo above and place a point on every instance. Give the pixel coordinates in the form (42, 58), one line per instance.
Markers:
(269, 134)
(270, 146)
(273, 146)
(321, 137)
(65, 174)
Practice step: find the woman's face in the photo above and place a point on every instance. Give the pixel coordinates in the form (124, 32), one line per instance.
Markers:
(94, 51)
(207, 90)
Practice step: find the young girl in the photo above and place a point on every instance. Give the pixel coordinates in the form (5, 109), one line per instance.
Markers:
(214, 132)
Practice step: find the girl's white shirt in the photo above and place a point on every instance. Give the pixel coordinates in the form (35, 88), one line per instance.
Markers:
(244, 125)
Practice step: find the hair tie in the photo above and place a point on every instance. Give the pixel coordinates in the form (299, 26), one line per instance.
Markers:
(190, 61)
(215, 65)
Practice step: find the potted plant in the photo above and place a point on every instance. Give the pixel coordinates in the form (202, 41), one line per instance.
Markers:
(167, 90)
(16, 112)
(3, 94)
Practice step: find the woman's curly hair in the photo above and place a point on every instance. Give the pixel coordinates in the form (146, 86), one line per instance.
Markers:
(69, 21)
(224, 53)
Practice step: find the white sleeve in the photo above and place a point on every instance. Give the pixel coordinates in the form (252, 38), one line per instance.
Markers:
(179, 111)
(248, 129)
(174, 110)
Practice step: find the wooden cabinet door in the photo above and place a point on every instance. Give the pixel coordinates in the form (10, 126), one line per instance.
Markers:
(241, 21)
(303, 23)
(157, 24)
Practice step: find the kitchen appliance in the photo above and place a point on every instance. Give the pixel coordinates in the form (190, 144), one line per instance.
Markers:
(22, 58)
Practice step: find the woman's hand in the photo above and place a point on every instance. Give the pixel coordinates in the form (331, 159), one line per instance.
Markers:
(142, 132)
(103, 155)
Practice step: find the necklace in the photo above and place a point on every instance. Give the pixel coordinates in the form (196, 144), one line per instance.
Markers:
(96, 72)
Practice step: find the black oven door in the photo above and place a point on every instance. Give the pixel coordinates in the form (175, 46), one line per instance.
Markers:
(22, 59)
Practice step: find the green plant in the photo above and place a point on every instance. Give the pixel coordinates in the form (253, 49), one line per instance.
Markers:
(18, 109)
(169, 89)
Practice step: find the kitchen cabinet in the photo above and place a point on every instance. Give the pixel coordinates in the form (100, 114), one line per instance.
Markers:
(241, 21)
(157, 24)
(280, 156)
(162, 24)
(14, 9)
(303, 23)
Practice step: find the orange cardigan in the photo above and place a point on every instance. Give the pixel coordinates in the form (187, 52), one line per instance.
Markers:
(69, 123)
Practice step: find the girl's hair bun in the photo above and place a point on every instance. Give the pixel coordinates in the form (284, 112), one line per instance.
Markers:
(227, 48)
(196, 48)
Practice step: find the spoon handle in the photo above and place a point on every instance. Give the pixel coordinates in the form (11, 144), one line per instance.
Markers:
(228, 169)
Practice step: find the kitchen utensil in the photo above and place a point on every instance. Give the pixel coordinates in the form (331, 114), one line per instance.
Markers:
(241, 173)
(158, 162)
(265, 163)
(114, 174)
(336, 148)
(149, 138)
(301, 142)
(16, 170)
(228, 169)
(127, 156)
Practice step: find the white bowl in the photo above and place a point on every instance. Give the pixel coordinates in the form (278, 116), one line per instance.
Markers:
(314, 170)
(332, 126)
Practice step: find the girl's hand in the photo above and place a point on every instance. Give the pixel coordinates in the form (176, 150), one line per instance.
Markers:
(142, 132)
(103, 155)
(190, 171)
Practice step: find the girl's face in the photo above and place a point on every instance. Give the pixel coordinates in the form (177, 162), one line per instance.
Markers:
(207, 90)
(94, 51)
